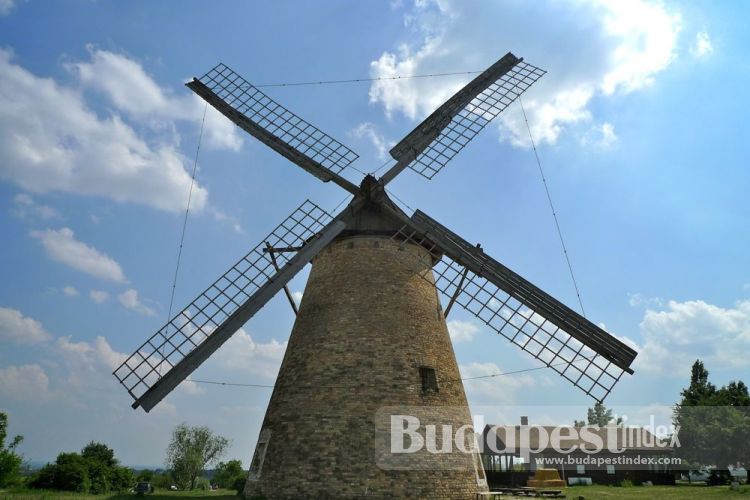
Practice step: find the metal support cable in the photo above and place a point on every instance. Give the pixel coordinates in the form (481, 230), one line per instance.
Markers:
(478, 377)
(552, 208)
(363, 80)
(184, 223)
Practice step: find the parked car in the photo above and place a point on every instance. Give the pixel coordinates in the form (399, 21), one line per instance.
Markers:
(143, 487)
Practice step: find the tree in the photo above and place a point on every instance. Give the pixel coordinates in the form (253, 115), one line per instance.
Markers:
(227, 474)
(191, 450)
(95, 470)
(734, 394)
(700, 392)
(71, 473)
(121, 479)
(145, 475)
(713, 423)
(599, 416)
(99, 453)
(10, 461)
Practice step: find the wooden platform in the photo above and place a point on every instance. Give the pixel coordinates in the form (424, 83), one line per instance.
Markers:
(520, 492)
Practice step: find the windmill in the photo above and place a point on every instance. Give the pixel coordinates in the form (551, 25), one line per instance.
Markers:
(370, 335)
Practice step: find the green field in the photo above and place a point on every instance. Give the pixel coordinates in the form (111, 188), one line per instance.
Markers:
(158, 495)
(655, 492)
(573, 492)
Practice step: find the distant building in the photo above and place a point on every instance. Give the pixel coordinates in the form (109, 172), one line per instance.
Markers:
(605, 455)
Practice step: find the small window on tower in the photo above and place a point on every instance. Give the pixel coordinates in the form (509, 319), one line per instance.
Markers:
(429, 379)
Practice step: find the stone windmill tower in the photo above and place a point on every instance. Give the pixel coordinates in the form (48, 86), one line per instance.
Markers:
(370, 345)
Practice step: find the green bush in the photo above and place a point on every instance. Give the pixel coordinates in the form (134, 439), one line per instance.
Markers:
(44, 478)
(10, 461)
(121, 479)
(163, 480)
(94, 471)
(239, 485)
(227, 473)
(145, 475)
(202, 484)
(626, 483)
(71, 473)
(98, 476)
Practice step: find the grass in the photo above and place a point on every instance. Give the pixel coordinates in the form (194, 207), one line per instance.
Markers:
(595, 492)
(680, 492)
(27, 494)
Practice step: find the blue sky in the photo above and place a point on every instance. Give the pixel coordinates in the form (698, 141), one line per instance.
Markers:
(639, 124)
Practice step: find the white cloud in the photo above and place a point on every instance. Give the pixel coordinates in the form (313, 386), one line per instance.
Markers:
(90, 356)
(233, 222)
(85, 367)
(600, 136)
(495, 389)
(134, 92)
(702, 46)
(638, 300)
(61, 246)
(16, 327)
(26, 382)
(98, 296)
(70, 291)
(50, 140)
(6, 6)
(129, 299)
(242, 354)
(626, 44)
(297, 296)
(191, 387)
(367, 130)
(674, 338)
(24, 207)
(462, 331)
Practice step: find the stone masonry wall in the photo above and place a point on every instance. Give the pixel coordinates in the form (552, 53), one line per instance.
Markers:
(366, 323)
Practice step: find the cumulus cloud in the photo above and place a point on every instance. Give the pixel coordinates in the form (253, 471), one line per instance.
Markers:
(50, 140)
(16, 327)
(627, 44)
(25, 382)
(492, 390)
(297, 297)
(368, 131)
(61, 246)
(462, 331)
(242, 354)
(702, 47)
(24, 207)
(70, 291)
(98, 296)
(638, 300)
(600, 136)
(130, 300)
(90, 356)
(676, 336)
(6, 6)
(191, 387)
(134, 92)
(83, 367)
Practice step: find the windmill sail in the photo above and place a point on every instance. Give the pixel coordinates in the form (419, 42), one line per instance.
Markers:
(584, 354)
(274, 125)
(180, 346)
(435, 141)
